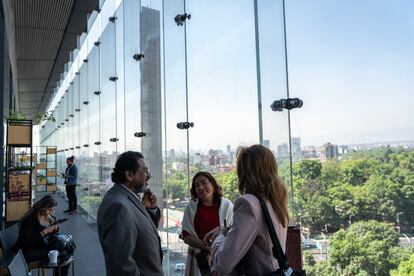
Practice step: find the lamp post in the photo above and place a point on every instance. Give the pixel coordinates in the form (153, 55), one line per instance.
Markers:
(398, 222)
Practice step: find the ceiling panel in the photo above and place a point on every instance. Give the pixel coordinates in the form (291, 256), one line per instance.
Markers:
(34, 69)
(45, 32)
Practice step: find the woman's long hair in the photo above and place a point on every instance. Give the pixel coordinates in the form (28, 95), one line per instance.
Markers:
(43, 204)
(257, 174)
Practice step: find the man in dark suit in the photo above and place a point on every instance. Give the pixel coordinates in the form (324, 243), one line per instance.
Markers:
(127, 227)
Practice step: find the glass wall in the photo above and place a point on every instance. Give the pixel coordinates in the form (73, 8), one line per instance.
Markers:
(188, 82)
(183, 92)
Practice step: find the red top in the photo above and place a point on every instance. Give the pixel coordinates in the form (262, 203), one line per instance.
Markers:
(205, 220)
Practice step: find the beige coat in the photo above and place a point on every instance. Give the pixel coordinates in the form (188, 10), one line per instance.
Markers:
(248, 237)
(225, 213)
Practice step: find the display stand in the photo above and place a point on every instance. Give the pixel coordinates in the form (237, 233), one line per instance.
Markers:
(46, 174)
(18, 167)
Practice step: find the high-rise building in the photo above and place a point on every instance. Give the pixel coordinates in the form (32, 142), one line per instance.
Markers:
(329, 151)
(266, 143)
(282, 150)
(151, 96)
(296, 148)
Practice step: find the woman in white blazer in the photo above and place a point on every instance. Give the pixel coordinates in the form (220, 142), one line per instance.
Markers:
(247, 244)
(207, 210)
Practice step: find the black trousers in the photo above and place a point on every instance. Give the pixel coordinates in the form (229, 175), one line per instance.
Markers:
(71, 194)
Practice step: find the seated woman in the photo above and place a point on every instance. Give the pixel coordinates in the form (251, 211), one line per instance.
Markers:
(35, 224)
(207, 210)
(248, 238)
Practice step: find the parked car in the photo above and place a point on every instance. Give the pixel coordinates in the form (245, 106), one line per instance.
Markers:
(179, 266)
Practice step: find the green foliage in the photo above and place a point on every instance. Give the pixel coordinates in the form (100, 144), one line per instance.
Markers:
(406, 268)
(366, 248)
(375, 184)
(308, 169)
(228, 181)
(37, 118)
(176, 186)
(43, 116)
(16, 115)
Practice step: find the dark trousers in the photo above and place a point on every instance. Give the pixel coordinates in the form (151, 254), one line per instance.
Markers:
(71, 194)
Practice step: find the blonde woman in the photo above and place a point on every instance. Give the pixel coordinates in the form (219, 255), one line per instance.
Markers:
(248, 240)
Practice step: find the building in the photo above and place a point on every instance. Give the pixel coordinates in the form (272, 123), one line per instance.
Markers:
(329, 151)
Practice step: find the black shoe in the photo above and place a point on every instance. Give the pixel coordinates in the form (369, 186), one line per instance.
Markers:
(67, 211)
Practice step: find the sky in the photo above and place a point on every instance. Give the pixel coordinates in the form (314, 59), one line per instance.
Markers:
(350, 61)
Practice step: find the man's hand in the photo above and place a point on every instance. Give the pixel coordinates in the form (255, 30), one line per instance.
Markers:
(149, 200)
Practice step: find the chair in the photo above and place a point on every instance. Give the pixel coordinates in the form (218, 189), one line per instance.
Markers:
(18, 266)
(8, 238)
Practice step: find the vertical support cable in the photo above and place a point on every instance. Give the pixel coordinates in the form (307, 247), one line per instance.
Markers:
(258, 76)
(292, 202)
(186, 103)
(165, 133)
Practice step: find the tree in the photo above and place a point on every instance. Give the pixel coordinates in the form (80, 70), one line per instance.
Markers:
(406, 268)
(366, 248)
(229, 183)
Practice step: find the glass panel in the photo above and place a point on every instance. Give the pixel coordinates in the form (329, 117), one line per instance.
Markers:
(108, 102)
(83, 174)
(175, 143)
(132, 75)
(119, 84)
(273, 85)
(94, 193)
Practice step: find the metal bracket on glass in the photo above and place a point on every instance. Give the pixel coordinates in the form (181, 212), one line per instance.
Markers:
(85, 60)
(77, 73)
(181, 18)
(289, 104)
(71, 115)
(112, 19)
(97, 143)
(66, 149)
(62, 124)
(97, 43)
(113, 78)
(67, 120)
(97, 93)
(113, 140)
(71, 82)
(85, 102)
(138, 57)
(140, 134)
(71, 148)
(86, 145)
(77, 110)
(77, 147)
(185, 125)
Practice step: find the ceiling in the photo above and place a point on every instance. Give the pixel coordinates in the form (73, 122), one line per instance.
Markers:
(45, 32)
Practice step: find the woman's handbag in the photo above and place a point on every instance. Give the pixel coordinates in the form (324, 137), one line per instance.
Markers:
(61, 242)
(281, 257)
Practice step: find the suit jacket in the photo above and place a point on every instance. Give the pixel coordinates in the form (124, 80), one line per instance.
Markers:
(71, 175)
(128, 235)
(248, 238)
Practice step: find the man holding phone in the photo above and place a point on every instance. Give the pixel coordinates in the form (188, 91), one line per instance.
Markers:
(127, 226)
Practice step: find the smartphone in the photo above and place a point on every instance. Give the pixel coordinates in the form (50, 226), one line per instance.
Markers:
(59, 221)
